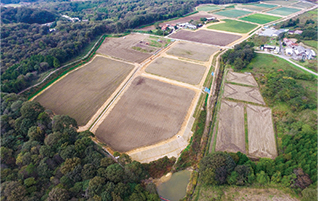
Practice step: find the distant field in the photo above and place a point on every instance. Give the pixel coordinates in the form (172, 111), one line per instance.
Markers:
(284, 11)
(149, 111)
(205, 36)
(261, 136)
(177, 70)
(192, 51)
(303, 5)
(260, 18)
(283, 3)
(232, 13)
(81, 93)
(208, 7)
(231, 131)
(256, 7)
(233, 26)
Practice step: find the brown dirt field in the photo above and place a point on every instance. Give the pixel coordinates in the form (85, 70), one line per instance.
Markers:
(177, 70)
(231, 131)
(248, 94)
(205, 36)
(122, 48)
(150, 111)
(261, 137)
(82, 92)
(195, 17)
(241, 78)
(192, 51)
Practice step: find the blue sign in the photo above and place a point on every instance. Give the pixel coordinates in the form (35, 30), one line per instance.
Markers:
(207, 90)
(212, 73)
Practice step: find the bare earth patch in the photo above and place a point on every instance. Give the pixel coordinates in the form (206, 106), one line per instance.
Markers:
(248, 94)
(177, 70)
(231, 132)
(122, 48)
(205, 36)
(241, 78)
(82, 92)
(150, 111)
(192, 51)
(261, 137)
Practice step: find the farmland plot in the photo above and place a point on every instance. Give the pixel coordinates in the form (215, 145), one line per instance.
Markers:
(261, 137)
(205, 36)
(178, 70)
(233, 26)
(192, 51)
(132, 48)
(249, 94)
(232, 13)
(284, 11)
(150, 111)
(82, 92)
(231, 131)
(260, 18)
(241, 78)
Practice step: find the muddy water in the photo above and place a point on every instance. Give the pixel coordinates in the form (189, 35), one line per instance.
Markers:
(175, 187)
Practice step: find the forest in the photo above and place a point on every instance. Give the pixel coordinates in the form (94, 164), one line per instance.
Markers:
(43, 157)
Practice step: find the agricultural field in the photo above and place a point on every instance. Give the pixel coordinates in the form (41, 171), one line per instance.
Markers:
(149, 111)
(231, 131)
(208, 7)
(280, 2)
(261, 136)
(205, 36)
(303, 5)
(192, 51)
(177, 70)
(260, 18)
(241, 78)
(133, 47)
(248, 94)
(233, 26)
(82, 92)
(284, 11)
(256, 7)
(232, 13)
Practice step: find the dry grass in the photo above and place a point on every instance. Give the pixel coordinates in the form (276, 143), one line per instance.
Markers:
(231, 132)
(261, 137)
(150, 111)
(126, 48)
(248, 94)
(177, 70)
(241, 78)
(192, 51)
(82, 92)
(205, 36)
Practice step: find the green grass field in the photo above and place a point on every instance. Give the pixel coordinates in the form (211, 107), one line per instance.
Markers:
(265, 5)
(311, 43)
(233, 26)
(233, 13)
(260, 18)
(302, 5)
(284, 11)
(208, 8)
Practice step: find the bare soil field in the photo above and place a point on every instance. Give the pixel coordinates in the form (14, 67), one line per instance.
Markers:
(241, 78)
(261, 137)
(231, 131)
(205, 36)
(149, 111)
(132, 48)
(195, 17)
(82, 92)
(177, 70)
(192, 51)
(248, 94)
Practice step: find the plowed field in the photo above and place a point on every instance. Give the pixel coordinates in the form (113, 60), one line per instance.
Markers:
(249, 94)
(241, 78)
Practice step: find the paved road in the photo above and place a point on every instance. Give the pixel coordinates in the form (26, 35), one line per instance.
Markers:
(287, 59)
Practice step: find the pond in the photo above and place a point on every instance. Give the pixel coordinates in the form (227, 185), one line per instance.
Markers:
(175, 188)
